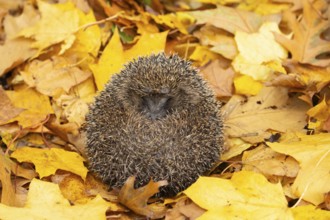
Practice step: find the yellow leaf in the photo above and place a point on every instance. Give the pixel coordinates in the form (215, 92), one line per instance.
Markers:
(36, 105)
(48, 160)
(246, 85)
(58, 24)
(7, 109)
(114, 58)
(45, 201)
(313, 154)
(258, 49)
(309, 212)
(268, 162)
(88, 39)
(251, 119)
(203, 55)
(236, 147)
(321, 111)
(263, 7)
(242, 197)
(173, 20)
(52, 75)
(110, 62)
(147, 44)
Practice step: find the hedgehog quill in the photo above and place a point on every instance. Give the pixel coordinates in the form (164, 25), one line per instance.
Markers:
(156, 119)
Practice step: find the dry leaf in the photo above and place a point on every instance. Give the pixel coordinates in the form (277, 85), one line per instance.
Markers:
(114, 57)
(49, 77)
(221, 80)
(45, 201)
(47, 161)
(58, 24)
(268, 162)
(244, 196)
(307, 43)
(136, 199)
(271, 109)
(37, 106)
(8, 194)
(313, 154)
(259, 53)
(7, 109)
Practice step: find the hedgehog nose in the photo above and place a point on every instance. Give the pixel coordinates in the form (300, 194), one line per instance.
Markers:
(155, 106)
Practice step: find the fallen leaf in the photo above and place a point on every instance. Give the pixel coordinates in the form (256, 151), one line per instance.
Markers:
(321, 111)
(48, 161)
(17, 50)
(114, 57)
(313, 154)
(268, 162)
(220, 80)
(271, 109)
(235, 147)
(263, 7)
(8, 194)
(136, 199)
(310, 212)
(58, 24)
(231, 19)
(45, 201)
(37, 106)
(7, 109)
(244, 197)
(51, 76)
(307, 42)
(202, 55)
(246, 85)
(257, 51)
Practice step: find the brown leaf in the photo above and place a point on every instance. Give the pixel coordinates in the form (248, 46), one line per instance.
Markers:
(271, 109)
(231, 19)
(307, 43)
(184, 209)
(221, 80)
(8, 191)
(137, 199)
(7, 109)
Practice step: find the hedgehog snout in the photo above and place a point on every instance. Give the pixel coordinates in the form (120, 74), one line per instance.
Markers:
(155, 106)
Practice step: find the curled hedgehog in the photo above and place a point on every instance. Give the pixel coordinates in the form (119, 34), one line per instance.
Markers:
(157, 119)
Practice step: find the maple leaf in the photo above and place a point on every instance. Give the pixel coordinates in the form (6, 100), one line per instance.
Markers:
(257, 51)
(268, 162)
(251, 119)
(47, 161)
(37, 106)
(17, 50)
(7, 109)
(219, 79)
(58, 24)
(8, 195)
(114, 57)
(312, 152)
(244, 196)
(45, 201)
(50, 76)
(136, 199)
(231, 19)
(307, 43)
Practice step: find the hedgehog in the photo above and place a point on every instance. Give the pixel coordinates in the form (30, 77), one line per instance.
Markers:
(156, 119)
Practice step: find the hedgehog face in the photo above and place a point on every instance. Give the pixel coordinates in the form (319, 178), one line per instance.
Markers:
(156, 87)
(156, 103)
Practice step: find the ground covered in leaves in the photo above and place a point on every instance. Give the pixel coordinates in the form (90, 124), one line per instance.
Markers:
(268, 61)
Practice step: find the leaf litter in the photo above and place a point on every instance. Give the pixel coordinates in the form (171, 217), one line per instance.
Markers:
(267, 61)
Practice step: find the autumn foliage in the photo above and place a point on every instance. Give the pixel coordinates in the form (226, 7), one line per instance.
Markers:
(268, 61)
